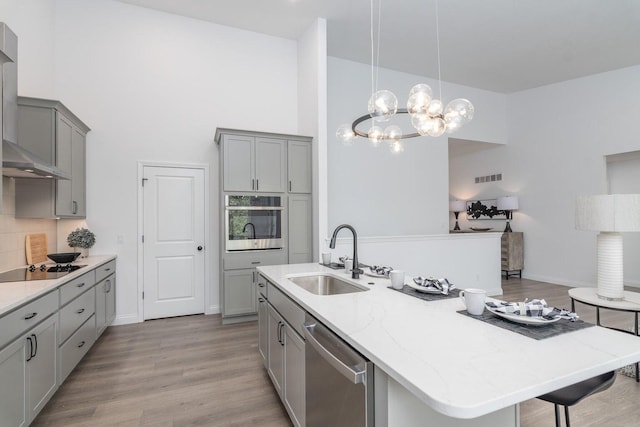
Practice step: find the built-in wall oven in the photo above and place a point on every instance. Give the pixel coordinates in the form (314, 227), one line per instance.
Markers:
(253, 222)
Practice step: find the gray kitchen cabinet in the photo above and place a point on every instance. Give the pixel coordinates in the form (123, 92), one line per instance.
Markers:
(263, 320)
(253, 164)
(299, 166)
(105, 296)
(28, 373)
(55, 134)
(286, 354)
(239, 292)
(300, 234)
(275, 360)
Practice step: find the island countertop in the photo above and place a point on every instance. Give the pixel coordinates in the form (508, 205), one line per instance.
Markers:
(459, 366)
(15, 294)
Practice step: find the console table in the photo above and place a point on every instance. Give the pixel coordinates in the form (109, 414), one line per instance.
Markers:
(630, 304)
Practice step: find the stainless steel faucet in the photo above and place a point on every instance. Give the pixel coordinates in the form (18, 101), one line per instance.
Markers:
(355, 272)
(253, 229)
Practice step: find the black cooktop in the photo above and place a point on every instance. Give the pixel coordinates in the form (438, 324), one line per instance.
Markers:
(43, 272)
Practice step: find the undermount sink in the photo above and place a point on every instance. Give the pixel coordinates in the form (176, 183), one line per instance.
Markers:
(323, 284)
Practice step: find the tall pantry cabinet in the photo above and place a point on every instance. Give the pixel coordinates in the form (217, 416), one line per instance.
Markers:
(253, 164)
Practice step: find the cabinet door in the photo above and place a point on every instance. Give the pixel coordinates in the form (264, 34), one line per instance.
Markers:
(101, 307)
(238, 163)
(239, 292)
(64, 147)
(300, 228)
(299, 166)
(263, 329)
(42, 366)
(13, 381)
(110, 301)
(271, 165)
(275, 360)
(294, 376)
(78, 161)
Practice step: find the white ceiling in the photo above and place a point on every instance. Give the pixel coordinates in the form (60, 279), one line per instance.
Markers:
(498, 45)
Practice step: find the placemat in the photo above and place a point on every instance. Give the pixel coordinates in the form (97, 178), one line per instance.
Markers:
(536, 332)
(408, 290)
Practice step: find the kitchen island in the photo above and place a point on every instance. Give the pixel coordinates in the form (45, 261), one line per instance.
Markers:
(435, 364)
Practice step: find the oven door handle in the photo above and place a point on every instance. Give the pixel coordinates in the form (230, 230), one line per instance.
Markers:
(313, 330)
(254, 208)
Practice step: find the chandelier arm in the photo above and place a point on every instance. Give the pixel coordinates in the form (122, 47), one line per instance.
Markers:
(364, 118)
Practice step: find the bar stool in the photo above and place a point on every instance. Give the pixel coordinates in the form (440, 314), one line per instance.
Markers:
(570, 395)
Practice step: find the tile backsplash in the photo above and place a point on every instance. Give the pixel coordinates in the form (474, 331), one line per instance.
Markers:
(14, 230)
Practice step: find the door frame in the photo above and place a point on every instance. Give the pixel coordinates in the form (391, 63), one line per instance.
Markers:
(209, 249)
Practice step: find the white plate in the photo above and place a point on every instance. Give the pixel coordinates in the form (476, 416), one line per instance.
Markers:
(424, 289)
(368, 272)
(525, 320)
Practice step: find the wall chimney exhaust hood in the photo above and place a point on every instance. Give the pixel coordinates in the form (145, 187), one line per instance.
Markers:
(16, 161)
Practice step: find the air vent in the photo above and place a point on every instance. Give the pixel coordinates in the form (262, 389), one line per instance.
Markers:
(488, 178)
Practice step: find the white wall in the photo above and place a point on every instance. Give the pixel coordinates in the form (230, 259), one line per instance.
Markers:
(152, 87)
(312, 115)
(558, 138)
(383, 194)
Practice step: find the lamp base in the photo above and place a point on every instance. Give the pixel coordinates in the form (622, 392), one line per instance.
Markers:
(610, 266)
(508, 229)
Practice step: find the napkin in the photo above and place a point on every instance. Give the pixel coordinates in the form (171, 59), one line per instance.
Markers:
(533, 308)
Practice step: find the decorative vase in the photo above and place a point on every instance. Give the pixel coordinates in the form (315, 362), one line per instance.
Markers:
(84, 252)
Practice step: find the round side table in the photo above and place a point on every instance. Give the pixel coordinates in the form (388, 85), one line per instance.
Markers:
(630, 304)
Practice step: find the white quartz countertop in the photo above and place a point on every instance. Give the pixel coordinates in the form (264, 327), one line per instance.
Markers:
(15, 294)
(459, 366)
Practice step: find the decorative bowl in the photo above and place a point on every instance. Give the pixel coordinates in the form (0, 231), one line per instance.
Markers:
(64, 258)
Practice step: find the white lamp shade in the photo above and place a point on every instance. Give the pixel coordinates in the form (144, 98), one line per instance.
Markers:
(508, 203)
(608, 212)
(457, 206)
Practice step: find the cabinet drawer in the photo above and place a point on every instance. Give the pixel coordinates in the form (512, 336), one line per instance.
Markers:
(289, 310)
(75, 287)
(76, 347)
(105, 269)
(76, 313)
(27, 316)
(251, 259)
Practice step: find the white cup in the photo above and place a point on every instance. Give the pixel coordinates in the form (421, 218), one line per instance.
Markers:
(348, 265)
(473, 299)
(326, 258)
(397, 279)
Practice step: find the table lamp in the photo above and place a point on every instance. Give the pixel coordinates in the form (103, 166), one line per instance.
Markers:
(610, 214)
(457, 206)
(508, 204)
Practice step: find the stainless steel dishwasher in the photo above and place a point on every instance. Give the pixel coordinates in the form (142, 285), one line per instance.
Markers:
(339, 381)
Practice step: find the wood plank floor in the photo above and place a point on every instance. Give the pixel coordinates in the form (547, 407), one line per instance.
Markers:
(193, 371)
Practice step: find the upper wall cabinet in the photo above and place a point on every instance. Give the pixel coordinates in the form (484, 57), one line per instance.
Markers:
(254, 164)
(299, 166)
(48, 129)
(264, 162)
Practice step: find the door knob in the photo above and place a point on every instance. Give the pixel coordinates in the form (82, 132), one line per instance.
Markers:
(199, 248)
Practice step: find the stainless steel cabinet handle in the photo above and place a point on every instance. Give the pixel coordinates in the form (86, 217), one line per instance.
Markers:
(311, 332)
(260, 299)
(29, 357)
(75, 207)
(82, 343)
(80, 285)
(253, 185)
(289, 185)
(257, 184)
(261, 284)
(80, 311)
(30, 316)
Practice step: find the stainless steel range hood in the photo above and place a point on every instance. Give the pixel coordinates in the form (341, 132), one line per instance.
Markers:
(20, 163)
(17, 161)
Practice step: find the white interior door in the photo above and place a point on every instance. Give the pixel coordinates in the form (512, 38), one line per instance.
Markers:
(174, 236)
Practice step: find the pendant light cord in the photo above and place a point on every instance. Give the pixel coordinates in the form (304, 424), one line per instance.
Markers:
(438, 46)
(375, 57)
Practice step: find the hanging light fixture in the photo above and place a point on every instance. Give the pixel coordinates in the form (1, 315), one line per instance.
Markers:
(428, 115)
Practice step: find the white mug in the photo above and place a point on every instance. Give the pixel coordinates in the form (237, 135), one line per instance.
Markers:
(397, 279)
(473, 299)
(326, 258)
(348, 265)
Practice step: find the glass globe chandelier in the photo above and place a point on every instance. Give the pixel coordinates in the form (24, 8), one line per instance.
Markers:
(428, 115)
